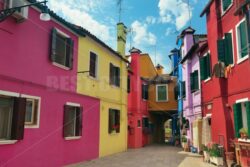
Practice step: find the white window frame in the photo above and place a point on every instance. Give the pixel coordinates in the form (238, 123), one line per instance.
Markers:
(157, 93)
(232, 34)
(239, 60)
(72, 104)
(223, 12)
(37, 123)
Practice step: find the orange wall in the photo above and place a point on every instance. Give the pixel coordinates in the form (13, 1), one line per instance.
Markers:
(147, 67)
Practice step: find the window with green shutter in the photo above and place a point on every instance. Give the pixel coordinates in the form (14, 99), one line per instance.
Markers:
(161, 93)
(226, 4)
(194, 81)
(225, 49)
(242, 39)
(205, 67)
(248, 115)
(145, 92)
(183, 87)
(238, 123)
(221, 50)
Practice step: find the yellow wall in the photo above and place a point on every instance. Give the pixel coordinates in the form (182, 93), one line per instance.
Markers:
(110, 96)
(171, 104)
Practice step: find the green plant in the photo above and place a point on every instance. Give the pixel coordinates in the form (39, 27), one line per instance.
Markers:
(215, 151)
(205, 148)
(183, 139)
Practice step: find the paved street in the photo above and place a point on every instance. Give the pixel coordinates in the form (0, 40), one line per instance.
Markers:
(151, 156)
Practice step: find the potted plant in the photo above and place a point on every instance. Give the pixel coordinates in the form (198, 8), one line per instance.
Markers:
(243, 133)
(206, 153)
(216, 155)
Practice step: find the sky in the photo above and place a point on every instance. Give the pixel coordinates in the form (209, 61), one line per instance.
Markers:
(153, 24)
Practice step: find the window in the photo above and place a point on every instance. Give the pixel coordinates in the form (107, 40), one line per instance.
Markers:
(226, 4)
(114, 75)
(241, 117)
(205, 67)
(161, 95)
(72, 121)
(194, 81)
(12, 117)
(62, 49)
(93, 65)
(128, 84)
(138, 123)
(32, 111)
(183, 86)
(242, 41)
(145, 122)
(114, 121)
(144, 92)
(176, 92)
(225, 49)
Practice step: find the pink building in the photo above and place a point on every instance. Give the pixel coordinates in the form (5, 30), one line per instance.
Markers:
(43, 122)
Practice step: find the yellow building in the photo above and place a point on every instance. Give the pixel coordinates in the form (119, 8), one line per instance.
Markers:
(103, 74)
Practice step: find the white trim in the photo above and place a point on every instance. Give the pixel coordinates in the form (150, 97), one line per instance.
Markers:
(239, 60)
(2, 142)
(232, 34)
(157, 93)
(7, 93)
(73, 138)
(242, 59)
(37, 125)
(208, 79)
(228, 8)
(73, 104)
(60, 66)
(208, 116)
(242, 100)
(62, 33)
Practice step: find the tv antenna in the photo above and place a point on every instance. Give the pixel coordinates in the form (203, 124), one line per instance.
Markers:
(119, 5)
(131, 34)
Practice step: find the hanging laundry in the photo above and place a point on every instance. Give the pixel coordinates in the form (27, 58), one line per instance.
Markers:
(219, 70)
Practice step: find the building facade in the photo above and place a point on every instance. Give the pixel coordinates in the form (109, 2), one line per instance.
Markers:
(43, 121)
(103, 75)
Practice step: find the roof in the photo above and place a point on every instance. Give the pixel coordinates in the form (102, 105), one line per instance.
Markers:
(159, 66)
(134, 50)
(160, 79)
(206, 8)
(188, 30)
(79, 30)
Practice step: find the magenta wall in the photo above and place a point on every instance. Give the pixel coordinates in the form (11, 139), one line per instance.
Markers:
(25, 68)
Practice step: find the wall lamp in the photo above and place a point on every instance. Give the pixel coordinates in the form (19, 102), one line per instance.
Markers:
(44, 16)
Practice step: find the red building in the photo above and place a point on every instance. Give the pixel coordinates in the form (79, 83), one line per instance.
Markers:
(138, 116)
(224, 70)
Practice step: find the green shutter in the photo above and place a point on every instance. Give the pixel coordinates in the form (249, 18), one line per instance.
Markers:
(202, 68)
(226, 4)
(238, 123)
(243, 39)
(192, 81)
(196, 80)
(208, 66)
(183, 85)
(221, 50)
(248, 116)
(228, 49)
(70, 53)
(162, 93)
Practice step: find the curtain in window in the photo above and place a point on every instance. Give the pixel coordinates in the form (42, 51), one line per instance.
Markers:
(5, 117)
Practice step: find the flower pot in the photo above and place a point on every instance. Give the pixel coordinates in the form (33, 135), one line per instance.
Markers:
(206, 156)
(217, 160)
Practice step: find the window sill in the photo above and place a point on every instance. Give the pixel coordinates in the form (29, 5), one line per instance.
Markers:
(31, 126)
(93, 78)
(2, 142)
(242, 59)
(225, 12)
(162, 101)
(244, 140)
(208, 79)
(114, 86)
(196, 92)
(114, 134)
(73, 138)
(61, 66)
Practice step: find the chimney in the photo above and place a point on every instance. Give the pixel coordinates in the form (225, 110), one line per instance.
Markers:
(159, 68)
(121, 38)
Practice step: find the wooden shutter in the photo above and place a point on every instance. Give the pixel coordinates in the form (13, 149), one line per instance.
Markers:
(192, 81)
(53, 44)
(238, 124)
(203, 68)
(66, 121)
(69, 53)
(228, 49)
(79, 121)
(226, 4)
(248, 115)
(243, 39)
(117, 120)
(221, 50)
(208, 65)
(18, 119)
(176, 92)
(118, 73)
(111, 74)
(196, 80)
(128, 84)
(183, 89)
(146, 92)
(92, 65)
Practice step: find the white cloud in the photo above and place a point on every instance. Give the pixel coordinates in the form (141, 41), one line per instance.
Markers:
(79, 14)
(174, 11)
(151, 20)
(141, 36)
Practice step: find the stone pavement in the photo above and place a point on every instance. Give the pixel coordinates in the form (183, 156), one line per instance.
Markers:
(151, 156)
